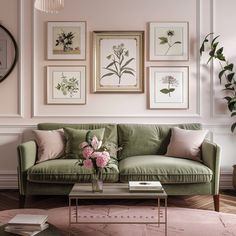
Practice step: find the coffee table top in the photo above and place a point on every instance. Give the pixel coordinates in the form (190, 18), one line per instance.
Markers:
(111, 191)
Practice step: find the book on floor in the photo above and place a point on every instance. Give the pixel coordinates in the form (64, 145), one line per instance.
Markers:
(27, 224)
(145, 186)
(28, 219)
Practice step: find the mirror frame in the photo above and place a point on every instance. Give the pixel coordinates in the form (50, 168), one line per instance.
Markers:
(16, 53)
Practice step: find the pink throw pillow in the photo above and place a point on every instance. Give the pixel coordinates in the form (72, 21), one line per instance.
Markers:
(51, 144)
(186, 143)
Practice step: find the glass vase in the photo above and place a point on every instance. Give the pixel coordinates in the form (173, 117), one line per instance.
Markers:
(97, 182)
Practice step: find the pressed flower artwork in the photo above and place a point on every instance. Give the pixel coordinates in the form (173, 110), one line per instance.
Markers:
(168, 41)
(66, 40)
(118, 61)
(66, 85)
(168, 87)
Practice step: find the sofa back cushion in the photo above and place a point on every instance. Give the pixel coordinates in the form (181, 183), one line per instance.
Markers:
(74, 137)
(110, 134)
(147, 139)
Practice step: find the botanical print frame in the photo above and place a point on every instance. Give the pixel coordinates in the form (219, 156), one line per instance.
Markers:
(66, 85)
(168, 87)
(66, 40)
(168, 41)
(118, 64)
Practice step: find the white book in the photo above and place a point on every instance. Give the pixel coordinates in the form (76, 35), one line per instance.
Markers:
(145, 185)
(23, 233)
(23, 227)
(28, 219)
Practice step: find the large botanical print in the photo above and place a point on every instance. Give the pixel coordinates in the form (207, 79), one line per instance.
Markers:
(66, 85)
(168, 41)
(168, 87)
(118, 61)
(66, 40)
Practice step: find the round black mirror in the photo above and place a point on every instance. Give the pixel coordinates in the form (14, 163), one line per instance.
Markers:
(8, 53)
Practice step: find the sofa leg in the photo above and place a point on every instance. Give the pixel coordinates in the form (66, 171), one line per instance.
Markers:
(216, 199)
(22, 201)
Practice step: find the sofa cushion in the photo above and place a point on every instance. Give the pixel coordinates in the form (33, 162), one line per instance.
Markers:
(74, 137)
(68, 171)
(168, 170)
(110, 138)
(50, 143)
(186, 143)
(147, 139)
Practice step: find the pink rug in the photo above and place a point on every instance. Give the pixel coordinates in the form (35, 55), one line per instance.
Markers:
(181, 221)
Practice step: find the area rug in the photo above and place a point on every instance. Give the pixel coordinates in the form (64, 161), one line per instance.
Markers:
(181, 221)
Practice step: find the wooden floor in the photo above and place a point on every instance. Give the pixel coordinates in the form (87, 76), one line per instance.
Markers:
(9, 200)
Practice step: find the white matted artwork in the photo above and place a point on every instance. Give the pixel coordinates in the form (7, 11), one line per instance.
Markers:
(67, 40)
(168, 87)
(118, 61)
(3, 54)
(168, 41)
(66, 85)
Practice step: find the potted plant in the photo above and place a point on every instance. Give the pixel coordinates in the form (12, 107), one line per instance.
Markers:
(226, 74)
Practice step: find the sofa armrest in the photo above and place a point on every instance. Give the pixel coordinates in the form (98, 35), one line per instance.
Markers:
(211, 158)
(27, 153)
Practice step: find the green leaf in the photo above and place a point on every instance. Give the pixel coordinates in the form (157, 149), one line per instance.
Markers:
(221, 74)
(108, 74)
(228, 98)
(128, 72)
(171, 90)
(164, 40)
(111, 64)
(230, 77)
(228, 85)
(127, 63)
(128, 68)
(233, 114)
(219, 51)
(202, 49)
(214, 39)
(165, 91)
(209, 59)
(229, 67)
(177, 42)
(233, 127)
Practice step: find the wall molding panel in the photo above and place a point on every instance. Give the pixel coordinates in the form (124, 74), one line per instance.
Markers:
(19, 114)
(36, 113)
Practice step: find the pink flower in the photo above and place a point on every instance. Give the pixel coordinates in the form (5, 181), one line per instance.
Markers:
(88, 164)
(96, 155)
(95, 143)
(106, 154)
(87, 152)
(101, 161)
(83, 145)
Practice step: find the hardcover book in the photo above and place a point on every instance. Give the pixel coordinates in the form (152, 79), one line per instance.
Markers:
(145, 186)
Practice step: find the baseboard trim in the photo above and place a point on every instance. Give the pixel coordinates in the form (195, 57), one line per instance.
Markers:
(9, 181)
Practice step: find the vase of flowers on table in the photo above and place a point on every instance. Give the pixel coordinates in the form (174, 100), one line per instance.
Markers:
(96, 157)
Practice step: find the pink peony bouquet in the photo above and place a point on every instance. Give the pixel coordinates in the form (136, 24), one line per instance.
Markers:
(95, 156)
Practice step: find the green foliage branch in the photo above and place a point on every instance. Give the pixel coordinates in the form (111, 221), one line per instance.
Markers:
(227, 72)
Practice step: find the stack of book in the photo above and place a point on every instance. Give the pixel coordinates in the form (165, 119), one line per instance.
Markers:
(145, 186)
(27, 224)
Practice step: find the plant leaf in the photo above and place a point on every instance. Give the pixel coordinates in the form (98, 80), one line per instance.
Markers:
(128, 72)
(164, 40)
(127, 62)
(128, 68)
(233, 114)
(108, 74)
(230, 76)
(177, 42)
(165, 91)
(171, 90)
(233, 127)
(221, 74)
(111, 64)
(229, 67)
(228, 98)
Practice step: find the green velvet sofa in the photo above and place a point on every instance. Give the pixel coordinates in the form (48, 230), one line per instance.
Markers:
(141, 158)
